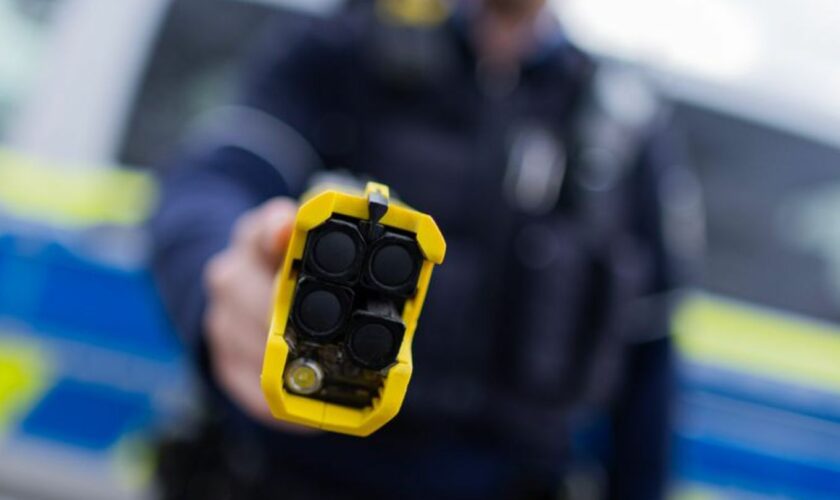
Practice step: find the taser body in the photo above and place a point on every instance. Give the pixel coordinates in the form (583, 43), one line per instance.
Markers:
(348, 297)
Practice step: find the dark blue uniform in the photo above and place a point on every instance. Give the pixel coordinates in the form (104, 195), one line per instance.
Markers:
(525, 326)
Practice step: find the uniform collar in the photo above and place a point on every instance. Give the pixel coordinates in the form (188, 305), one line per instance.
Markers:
(550, 37)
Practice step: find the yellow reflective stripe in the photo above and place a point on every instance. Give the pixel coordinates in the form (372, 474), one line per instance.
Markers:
(133, 460)
(23, 379)
(768, 343)
(696, 492)
(74, 197)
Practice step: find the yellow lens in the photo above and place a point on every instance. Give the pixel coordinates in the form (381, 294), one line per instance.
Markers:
(304, 376)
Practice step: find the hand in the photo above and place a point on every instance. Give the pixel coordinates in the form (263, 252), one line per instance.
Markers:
(240, 287)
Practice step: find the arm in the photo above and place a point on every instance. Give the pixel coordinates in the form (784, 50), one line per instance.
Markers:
(667, 205)
(218, 231)
(198, 207)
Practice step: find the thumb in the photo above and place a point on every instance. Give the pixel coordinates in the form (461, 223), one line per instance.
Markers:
(277, 220)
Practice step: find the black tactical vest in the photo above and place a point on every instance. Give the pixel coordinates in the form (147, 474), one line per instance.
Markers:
(534, 187)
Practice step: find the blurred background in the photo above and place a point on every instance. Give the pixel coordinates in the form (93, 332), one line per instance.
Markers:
(93, 94)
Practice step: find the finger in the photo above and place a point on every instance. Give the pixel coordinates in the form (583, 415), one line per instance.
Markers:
(277, 222)
(249, 292)
(245, 233)
(264, 232)
(243, 385)
(232, 337)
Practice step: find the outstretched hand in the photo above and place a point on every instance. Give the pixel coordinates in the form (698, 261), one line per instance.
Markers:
(240, 285)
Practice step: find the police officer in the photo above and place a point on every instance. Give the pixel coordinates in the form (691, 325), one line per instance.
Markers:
(546, 174)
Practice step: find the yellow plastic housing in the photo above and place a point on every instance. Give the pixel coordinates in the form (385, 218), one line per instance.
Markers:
(320, 414)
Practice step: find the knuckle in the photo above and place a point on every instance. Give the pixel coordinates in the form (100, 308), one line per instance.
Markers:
(245, 226)
(219, 272)
(213, 324)
(283, 206)
(214, 271)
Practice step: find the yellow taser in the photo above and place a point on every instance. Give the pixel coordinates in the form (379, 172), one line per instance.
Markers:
(348, 297)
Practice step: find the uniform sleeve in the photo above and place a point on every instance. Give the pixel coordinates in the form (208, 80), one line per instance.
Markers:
(265, 145)
(642, 415)
(198, 206)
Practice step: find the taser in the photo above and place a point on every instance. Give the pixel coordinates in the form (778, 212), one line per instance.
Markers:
(347, 300)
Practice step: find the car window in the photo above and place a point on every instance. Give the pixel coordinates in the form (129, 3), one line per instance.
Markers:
(191, 71)
(24, 25)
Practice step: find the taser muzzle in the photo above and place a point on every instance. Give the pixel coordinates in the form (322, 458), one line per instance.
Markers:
(348, 297)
